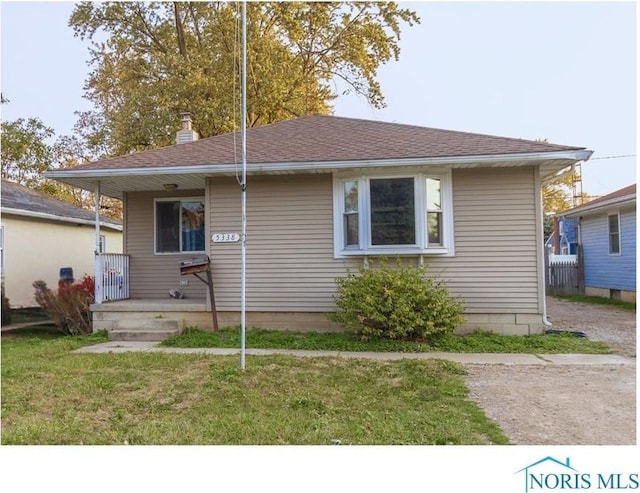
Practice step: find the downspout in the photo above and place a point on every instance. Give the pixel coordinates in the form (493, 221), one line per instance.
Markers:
(542, 279)
(97, 259)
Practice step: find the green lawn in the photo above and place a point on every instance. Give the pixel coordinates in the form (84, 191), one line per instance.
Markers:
(596, 300)
(478, 342)
(51, 396)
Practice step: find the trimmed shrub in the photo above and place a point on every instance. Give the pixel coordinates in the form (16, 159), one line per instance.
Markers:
(399, 303)
(69, 306)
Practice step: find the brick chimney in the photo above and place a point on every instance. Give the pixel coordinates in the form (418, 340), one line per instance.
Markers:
(186, 134)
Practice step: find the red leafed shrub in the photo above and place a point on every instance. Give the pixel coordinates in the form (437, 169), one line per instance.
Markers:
(69, 306)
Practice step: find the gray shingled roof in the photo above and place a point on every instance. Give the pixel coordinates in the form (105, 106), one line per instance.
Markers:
(327, 139)
(623, 195)
(20, 198)
(623, 192)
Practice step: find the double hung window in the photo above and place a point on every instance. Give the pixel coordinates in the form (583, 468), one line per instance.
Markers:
(614, 234)
(393, 214)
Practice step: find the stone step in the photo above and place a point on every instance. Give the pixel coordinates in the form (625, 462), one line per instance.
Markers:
(149, 324)
(141, 335)
(148, 330)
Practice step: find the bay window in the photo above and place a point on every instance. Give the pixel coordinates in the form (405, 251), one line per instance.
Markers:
(386, 214)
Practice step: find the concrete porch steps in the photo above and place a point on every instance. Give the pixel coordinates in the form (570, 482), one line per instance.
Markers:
(147, 330)
(141, 335)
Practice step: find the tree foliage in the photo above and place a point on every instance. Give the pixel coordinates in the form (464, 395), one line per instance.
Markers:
(559, 195)
(153, 60)
(29, 149)
(25, 151)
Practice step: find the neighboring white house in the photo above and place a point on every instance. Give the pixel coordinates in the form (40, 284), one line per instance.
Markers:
(40, 235)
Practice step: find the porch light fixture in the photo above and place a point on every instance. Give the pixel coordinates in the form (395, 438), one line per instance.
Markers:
(170, 187)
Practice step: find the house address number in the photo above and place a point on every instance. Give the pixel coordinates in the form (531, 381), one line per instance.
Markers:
(225, 237)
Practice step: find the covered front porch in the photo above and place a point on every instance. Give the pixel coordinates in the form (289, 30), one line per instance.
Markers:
(148, 318)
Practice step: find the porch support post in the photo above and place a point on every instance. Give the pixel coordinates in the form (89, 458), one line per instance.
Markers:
(97, 260)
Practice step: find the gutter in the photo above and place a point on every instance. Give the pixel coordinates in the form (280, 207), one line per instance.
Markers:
(223, 169)
(54, 217)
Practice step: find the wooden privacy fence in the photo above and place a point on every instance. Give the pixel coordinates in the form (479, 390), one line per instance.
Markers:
(564, 277)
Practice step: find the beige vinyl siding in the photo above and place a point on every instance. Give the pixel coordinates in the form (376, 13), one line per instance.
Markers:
(495, 268)
(290, 265)
(151, 276)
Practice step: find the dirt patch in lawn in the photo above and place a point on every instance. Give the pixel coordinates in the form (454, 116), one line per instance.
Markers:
(566, 405)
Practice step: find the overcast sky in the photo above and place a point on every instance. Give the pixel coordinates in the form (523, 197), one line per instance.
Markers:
(561, 71)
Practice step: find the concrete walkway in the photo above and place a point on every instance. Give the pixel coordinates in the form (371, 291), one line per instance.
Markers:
(463, 358)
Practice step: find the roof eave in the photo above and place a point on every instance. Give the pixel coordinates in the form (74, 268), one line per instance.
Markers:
(224, 169)
(595, 208)
(63, 219)
(551, 161)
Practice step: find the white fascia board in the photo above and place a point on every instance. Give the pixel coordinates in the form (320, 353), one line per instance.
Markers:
(53, 217)
(591, 209)
(327, 166)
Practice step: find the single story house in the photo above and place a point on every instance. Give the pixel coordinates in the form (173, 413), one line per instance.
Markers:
(607, 233)
(326, 194)
(41, 235)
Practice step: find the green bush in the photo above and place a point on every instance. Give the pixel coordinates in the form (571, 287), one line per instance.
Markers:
(395, 303)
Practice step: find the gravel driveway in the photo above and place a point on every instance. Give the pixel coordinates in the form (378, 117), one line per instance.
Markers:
(568, 405)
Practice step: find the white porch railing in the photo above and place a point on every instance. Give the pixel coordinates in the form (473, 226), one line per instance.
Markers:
(115, 277)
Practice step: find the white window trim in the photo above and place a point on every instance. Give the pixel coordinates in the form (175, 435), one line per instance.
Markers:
(155, 237)
(422, 246)
(619, 252)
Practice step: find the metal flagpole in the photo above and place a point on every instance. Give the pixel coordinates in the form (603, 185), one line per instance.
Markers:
(243, 125)
(99, 294)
